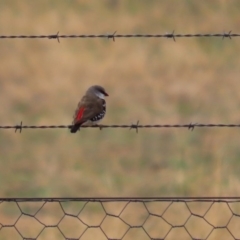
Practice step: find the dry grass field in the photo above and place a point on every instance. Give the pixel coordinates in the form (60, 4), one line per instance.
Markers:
(150, 80)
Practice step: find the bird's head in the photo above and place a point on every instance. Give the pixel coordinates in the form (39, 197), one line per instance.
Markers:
(98, 91)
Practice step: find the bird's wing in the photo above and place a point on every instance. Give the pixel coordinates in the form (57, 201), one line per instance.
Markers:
(88, 107)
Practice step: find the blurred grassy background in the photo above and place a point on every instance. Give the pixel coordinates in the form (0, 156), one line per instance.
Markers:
(151, 80)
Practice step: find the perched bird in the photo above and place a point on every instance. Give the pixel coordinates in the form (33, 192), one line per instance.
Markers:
(91, 109)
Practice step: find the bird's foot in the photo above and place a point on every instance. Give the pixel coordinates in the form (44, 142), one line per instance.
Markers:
(99, 126)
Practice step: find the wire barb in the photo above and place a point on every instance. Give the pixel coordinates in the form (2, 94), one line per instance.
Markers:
(55, 36)
(18, 127)
(228, 35)
(171, 35)
(192, 126)
(135, 126)
(112, 36)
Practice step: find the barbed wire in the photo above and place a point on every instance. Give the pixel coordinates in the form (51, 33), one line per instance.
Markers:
(120, 218)
(114, 35)
(136, 126)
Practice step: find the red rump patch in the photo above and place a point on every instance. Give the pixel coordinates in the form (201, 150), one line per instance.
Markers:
(80, 114)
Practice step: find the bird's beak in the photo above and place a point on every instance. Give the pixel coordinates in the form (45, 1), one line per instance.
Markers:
(106, 94)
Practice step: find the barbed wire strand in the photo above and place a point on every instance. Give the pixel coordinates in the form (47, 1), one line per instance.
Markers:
(190, 126)
(113, 36)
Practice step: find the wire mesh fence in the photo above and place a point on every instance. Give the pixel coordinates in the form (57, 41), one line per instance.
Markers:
(120, 218)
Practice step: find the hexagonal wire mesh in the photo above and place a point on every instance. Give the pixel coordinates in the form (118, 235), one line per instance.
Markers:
(120, 218)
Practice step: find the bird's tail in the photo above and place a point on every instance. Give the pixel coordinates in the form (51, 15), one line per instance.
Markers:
(75, 128)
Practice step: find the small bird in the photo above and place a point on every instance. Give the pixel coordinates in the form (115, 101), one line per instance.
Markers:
(91, 109)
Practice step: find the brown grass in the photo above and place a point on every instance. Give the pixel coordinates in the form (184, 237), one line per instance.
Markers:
(151, 80)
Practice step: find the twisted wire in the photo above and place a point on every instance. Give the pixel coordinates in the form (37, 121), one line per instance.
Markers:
(113, 36)
(154, 217)
(136, 126)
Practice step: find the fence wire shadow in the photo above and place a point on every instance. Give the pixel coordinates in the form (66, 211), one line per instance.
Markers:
(120, 218)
